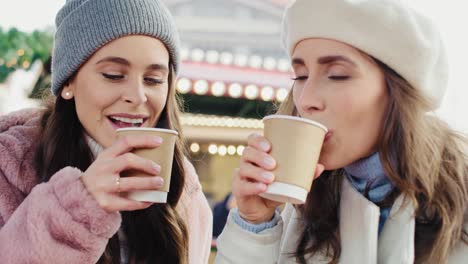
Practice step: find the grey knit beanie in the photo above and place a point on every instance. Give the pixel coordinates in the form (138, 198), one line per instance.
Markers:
(83, 26)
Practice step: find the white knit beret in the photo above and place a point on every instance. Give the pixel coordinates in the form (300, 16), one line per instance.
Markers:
(388, 30)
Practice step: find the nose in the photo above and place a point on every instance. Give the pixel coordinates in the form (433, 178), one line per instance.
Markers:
(309, 98)
(135, 94)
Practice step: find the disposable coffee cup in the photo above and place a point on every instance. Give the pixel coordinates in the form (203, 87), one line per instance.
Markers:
(162, 155)
(296, 145)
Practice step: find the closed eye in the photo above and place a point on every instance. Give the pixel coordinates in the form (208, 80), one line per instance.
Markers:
(338, 77)
(300, 78)
(114, 77)
(153, 81)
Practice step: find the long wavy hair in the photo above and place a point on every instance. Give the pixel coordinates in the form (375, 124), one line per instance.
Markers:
(431, 172)
(154, 235)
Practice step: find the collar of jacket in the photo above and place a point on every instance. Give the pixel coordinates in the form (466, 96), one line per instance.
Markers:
(93, 145)
(359, 221)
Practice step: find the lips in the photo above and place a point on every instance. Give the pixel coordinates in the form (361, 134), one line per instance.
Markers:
(127, 120)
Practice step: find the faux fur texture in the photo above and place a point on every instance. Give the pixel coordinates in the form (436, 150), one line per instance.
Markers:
(59, 221)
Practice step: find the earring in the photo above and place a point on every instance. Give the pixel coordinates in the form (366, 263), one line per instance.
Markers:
(68, 94)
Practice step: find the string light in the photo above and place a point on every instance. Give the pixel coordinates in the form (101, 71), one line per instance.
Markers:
(222, 150)
(283, 65)
(195, 147)
(212, 149)
(184, 53)
(267, 93)
(240, 150)
(212, 56)
(197, 55)
(217, 121)
(269, 63)
(226, 58)
(251, 91)
(231, 150)
(241, 60)
(26, 64)
(201, 87)
(218, 88)
(235, 90)
(281, 94)
(255, 61)
(183, 85)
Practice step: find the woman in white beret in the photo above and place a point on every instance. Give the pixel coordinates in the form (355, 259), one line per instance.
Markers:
(392, 183)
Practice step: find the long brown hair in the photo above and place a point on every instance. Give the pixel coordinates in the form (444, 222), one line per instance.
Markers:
(431, 172)
(154, 235)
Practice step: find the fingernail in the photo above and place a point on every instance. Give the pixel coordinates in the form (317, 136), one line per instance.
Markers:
(158, 140)
(264, 146)
(159, 181)
(267, 175)
(269, 161)
(156, 167)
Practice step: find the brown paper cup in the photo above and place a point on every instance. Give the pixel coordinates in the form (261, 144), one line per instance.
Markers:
(296, 145)
(162, 155)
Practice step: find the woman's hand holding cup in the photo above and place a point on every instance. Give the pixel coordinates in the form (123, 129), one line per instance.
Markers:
(253, 177)
(103, 181)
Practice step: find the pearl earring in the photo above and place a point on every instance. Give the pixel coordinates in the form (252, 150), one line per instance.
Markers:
(67, 94)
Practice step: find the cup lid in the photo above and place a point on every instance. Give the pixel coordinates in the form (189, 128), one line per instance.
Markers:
(164, 130)
(296, 118)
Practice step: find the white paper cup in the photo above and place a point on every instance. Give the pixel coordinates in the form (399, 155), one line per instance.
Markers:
(162, 155)
(296, 145)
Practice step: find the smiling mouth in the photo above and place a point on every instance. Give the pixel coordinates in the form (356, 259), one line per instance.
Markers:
(124, 122)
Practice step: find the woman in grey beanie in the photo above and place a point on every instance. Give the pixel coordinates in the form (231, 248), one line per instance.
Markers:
(392, 183)
(114, 66)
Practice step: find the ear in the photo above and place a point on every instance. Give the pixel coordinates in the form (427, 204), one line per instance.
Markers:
(67, 92)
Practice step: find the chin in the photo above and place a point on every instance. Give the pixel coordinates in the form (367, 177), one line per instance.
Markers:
(330, 162)
(107, 140)
(329, 166)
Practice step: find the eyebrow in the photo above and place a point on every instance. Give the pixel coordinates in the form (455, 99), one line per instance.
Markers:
(158, 67)
(331, 59)
(324, 60)
(117, 60)
(298, 61)
(122, 61)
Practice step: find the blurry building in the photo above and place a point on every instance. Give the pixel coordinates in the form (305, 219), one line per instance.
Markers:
(233, 72)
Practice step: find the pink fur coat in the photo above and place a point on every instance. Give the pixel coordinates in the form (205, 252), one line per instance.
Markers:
(59, 221)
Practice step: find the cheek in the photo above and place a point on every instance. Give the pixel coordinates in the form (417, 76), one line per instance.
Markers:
(345, 111)
(357, 117)
(92, 98)
(162, 98)
(158, 101)
(361, 110)
(95, 99)
(94, 92)
(296, 93)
